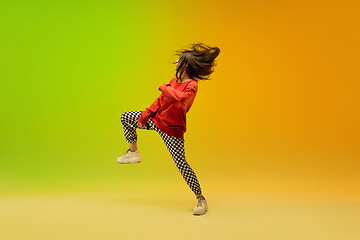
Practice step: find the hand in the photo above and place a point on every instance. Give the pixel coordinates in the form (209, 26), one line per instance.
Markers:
(140, 125)
(164, 85)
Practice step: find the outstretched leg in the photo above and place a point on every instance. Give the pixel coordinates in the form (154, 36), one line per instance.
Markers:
(176, 148)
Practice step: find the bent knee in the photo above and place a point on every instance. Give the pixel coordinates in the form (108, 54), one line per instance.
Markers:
(124, 117)
(130, 116)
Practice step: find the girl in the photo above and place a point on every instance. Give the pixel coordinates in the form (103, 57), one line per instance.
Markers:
(167, 115)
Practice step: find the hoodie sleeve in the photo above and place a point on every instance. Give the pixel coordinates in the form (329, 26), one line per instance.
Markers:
(174, 96)
(150, 111)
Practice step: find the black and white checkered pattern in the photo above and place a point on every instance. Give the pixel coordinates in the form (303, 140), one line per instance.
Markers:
(175, 146)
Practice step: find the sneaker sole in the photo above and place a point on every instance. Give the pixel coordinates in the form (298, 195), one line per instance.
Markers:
(198, 214)
(129, 162)
(138, 161)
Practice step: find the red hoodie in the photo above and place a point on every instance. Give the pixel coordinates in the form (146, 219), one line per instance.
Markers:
(168, 112)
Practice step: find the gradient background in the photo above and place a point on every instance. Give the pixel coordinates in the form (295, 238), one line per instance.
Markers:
(277, 125)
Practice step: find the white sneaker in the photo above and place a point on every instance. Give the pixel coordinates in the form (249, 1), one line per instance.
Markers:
(130, 157)
(201, 206)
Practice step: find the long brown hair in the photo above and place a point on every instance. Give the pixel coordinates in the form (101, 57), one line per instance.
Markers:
(197, 60)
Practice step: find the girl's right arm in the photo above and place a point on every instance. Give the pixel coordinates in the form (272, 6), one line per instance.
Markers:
(175, 96)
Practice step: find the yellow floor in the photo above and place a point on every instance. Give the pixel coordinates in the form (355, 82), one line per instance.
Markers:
(149, 216)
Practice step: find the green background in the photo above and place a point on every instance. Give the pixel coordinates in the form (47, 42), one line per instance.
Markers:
(68, 71)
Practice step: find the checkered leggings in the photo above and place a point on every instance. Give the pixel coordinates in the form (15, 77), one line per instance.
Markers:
(175, 146)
